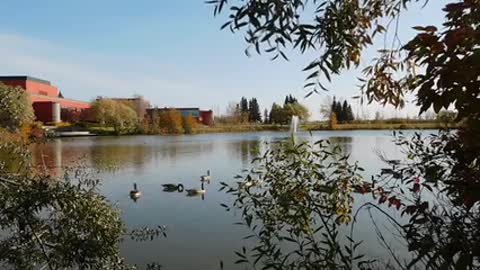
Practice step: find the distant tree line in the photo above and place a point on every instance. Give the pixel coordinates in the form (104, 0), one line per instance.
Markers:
(282, 114)
(343, 112)
(169, 121)
(250, 110)
(124, 119)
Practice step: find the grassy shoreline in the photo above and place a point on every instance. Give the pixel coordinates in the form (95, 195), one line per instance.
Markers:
(311, 126)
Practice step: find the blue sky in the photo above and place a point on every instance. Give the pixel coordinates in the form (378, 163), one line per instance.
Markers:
(171, 52)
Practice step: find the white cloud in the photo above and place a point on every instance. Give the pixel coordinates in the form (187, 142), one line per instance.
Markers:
(84, 75)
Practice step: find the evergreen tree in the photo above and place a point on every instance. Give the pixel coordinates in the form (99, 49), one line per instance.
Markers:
(244, 105)
(334, 106)
(350, 113)
(289, 99)
(338, 111)
(278, 115)
(345, 111)
(254, 114)
(265, 117)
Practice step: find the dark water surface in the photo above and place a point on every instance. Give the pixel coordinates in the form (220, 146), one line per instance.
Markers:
(199, 232)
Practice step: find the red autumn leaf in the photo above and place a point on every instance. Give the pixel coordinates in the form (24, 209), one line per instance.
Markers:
(416, 187)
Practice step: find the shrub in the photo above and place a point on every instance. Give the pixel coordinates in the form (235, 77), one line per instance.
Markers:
(15, 108)
(114, 114)
(188, 124)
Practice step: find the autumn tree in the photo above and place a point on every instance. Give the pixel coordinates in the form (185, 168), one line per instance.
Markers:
(111, 113)
(296, 109)
(332, 123)
(15, 107)
(189, 124)
(170, 121)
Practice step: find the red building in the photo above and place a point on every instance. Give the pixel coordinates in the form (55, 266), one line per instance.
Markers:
(47, 101)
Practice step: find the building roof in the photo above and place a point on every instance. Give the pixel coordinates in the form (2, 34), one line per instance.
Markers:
(56, 99)
(178, 109)
(23, 78)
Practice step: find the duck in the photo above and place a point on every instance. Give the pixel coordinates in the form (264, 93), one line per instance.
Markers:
(172, 187)
(206, 178)
(135, 193)
(196, 192)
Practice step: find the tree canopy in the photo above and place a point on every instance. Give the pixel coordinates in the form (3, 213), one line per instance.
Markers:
(283, 114)
(15, 107)
(343, 111)
(114, 114)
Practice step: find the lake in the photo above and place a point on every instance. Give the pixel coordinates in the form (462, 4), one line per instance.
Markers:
(200, 232)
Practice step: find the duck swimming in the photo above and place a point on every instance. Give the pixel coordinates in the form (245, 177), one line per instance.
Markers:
(172, 187)
(196, 192)
(135, 193)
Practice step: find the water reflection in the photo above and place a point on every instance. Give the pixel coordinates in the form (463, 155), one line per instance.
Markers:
(155, 161)
(245, 150)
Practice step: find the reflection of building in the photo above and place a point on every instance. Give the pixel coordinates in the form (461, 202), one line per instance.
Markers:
(47, 101)
(204, 117)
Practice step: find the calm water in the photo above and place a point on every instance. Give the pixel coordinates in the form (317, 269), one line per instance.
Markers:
(200, 232)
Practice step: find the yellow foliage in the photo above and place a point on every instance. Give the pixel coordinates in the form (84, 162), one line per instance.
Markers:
(333, 121)
(170, 122)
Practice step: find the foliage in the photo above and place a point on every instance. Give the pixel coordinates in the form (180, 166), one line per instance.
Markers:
(278, 115)
(113, 113)
(337, 30)
(289, 100)
(296, 200)
(170, 121)
(438, 189)
(343, 111)
(451, 60)
(437, 183)
(266, 119)
(283, 115)
(332, 123)
(58, 223)
(37, 210)
(254, 114)
(244, 105)
(326, 107)
(188, 124)
(12, 158)
(297, 109)
(15, 107)
(446, 117)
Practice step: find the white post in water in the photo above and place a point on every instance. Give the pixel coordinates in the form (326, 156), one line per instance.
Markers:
(294, 125)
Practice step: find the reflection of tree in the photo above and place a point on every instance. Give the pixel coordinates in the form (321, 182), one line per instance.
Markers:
(246, 150)
(116, 156)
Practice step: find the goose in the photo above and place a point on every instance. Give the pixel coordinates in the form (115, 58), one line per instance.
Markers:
(135, 193)
(172, 187)
(196, 192)
(206, 178)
